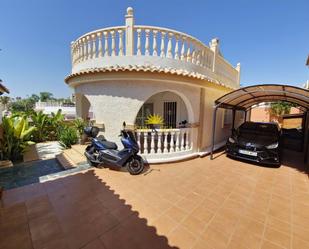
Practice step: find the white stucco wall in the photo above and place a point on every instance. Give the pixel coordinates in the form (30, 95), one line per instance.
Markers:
(222, 133)
(115, 101)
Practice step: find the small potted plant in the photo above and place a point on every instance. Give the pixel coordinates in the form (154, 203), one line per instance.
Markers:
(154, 121)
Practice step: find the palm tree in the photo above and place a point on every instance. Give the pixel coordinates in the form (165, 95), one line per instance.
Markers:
(4, 100)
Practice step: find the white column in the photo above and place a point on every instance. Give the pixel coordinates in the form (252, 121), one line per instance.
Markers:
(120, 43)
(84, 52)
(187, 139)
(182, 53)
(138, 52)
(154, 43)
(94, 52)
(177, 140)
(172, 142)
(169, 46)
(152, 145)
(113, 44)
(193, 56)
(106, 49)
(176, 47)
(162, 50)
(182, 141)
(100, 48)
(189, 53)
(165, 150)
(147, 41)
(139, 139)
(159, 151)
(89, 54)
(145, 142)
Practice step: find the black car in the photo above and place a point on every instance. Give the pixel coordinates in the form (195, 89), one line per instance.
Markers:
(258, 142)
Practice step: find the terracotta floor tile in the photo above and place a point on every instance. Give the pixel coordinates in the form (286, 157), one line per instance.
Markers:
(203, 213)
(95, 244)
(301, 233)
(215, 239)
(299, 243)
(277, 237)
(164, 224)
(269, 245)
(279, 225)
(38, 207)
(176, 213)
(194, 225)
(181, 238)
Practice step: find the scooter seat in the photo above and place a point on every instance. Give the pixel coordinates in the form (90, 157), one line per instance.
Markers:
(109, 145)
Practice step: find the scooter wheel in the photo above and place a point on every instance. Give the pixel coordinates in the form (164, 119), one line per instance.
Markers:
(136, 165)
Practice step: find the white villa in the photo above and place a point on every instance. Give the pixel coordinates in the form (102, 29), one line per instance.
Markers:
(127, 72)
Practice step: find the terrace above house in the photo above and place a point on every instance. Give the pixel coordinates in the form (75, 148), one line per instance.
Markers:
(151, 49)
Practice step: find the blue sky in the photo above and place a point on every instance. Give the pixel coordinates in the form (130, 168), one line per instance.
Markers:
(270, 38)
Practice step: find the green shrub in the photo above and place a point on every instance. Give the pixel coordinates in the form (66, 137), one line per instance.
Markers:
(80, 125)
(67, 136)
(16, 137)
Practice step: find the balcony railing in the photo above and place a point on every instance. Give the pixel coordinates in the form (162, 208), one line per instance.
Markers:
(108, 46)
(166, 141)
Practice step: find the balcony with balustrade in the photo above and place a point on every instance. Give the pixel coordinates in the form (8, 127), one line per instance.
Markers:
(148, 48)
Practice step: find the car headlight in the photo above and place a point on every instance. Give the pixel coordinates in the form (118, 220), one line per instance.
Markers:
(273, 146)
(231, 140)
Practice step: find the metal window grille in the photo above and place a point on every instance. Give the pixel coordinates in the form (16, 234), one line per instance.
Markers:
(170, 112)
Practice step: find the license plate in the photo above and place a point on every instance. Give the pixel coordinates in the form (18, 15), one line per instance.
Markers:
(248, 152)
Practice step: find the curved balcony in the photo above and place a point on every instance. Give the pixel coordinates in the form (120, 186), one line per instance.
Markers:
(151, 47)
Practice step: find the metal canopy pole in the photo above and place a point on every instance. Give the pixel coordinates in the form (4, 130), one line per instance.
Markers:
(306, 140)
(214, 119)
(233, 124)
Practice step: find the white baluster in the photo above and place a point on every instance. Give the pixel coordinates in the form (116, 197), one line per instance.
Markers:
(182, 142)
(89, 54)
(147, 42)
(159, 150)
(139, 139)
(182, 53)
(80, 50)
(193, 56)
(162, 50)
(189, 53)
(100, 47)
(188, 139)
(191, 139)
(176, 47)
(152, 145)
(120, 43)
(145, 142)
(169, 46)
(84, 49)
(106, 49)
(113, 44)
(177, 140)
(94, 52)
(172, 142)
(154, 43)
(165, 150)
(138, 46)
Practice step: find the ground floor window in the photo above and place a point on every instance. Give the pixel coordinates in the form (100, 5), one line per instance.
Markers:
(144, 112)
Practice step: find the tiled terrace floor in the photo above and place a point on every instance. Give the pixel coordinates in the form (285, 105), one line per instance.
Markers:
(198, 204)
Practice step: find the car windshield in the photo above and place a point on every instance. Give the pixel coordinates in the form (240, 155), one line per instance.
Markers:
(258, 128)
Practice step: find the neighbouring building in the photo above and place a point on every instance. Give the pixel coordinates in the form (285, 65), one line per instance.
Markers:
(3, 90)
(125, 73)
